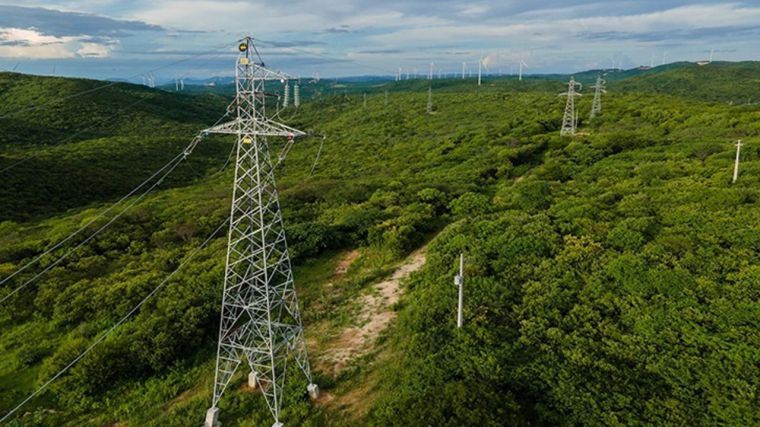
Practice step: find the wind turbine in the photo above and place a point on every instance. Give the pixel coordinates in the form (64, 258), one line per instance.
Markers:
(522, 64)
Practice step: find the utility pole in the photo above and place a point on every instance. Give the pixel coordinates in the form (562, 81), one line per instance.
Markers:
(260, 319)
(459, 282)
(365, 100)
(736, 165)
(569, 121)
(596, 106)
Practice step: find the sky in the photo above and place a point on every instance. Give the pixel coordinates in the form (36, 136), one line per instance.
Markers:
(197, 38)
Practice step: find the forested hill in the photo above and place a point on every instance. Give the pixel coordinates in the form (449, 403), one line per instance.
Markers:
(730, 82)
(99, 138)
(38, 110)
(610, 279)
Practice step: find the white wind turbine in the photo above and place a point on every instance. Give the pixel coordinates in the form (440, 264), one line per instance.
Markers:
(522, 64)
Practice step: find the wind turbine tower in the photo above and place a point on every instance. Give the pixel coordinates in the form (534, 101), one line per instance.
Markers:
(599, 89)
(480, 68)
(522, 64)
(569, 121)
(260, 321)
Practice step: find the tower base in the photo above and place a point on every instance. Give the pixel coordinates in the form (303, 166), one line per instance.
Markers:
(313, 390)
(252, 377)
(212, 418)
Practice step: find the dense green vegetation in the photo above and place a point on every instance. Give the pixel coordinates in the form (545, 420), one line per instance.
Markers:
(611, 279)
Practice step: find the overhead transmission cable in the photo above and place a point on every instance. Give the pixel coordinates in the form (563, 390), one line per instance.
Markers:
(171, 165)
(116, 325)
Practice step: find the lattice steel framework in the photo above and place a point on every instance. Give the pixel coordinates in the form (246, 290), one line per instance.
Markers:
(599, 89)
(569, 120)
(260, 321)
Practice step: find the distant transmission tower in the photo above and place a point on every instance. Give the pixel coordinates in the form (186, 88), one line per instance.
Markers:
(286, 96)
(261, 322)
(569, 121)
(296, 94)
(596, 107)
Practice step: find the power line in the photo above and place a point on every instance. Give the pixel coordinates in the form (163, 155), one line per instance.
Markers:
(176, 161)
(116, 325)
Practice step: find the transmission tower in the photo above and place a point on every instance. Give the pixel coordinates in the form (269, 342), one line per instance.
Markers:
(260, 320)
(286, 96)
(569, 121)
(296, 94)
(596, 106)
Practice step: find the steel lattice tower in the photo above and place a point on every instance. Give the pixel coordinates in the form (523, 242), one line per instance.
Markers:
(596, 106)
(569, 121)
(260, 320)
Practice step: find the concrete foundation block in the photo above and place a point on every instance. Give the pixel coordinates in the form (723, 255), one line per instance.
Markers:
(252, 380)
(313, 390)
(212, 418)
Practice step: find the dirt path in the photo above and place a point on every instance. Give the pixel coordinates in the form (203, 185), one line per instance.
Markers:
(375, 315)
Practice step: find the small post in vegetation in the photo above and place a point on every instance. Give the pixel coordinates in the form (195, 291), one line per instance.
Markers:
(459, 282)
(365, 99)
(736, 165)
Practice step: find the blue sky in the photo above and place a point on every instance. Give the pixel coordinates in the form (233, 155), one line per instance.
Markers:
(124, 39)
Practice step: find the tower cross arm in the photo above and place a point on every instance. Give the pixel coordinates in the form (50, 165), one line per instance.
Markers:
(267, 128)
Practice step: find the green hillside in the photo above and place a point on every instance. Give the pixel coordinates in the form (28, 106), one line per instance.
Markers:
(610, 279)
(730, 82)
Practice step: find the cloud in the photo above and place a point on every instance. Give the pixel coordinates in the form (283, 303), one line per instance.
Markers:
(64, 24)
(337, 30)
(31, 43)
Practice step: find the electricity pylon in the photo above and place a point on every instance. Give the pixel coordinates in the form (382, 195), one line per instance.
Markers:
(286, 96)
(596, 106)
(569, 121)
(260, 319)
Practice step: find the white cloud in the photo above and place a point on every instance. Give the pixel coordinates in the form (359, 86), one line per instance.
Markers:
(93, 50)
(32, 44)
